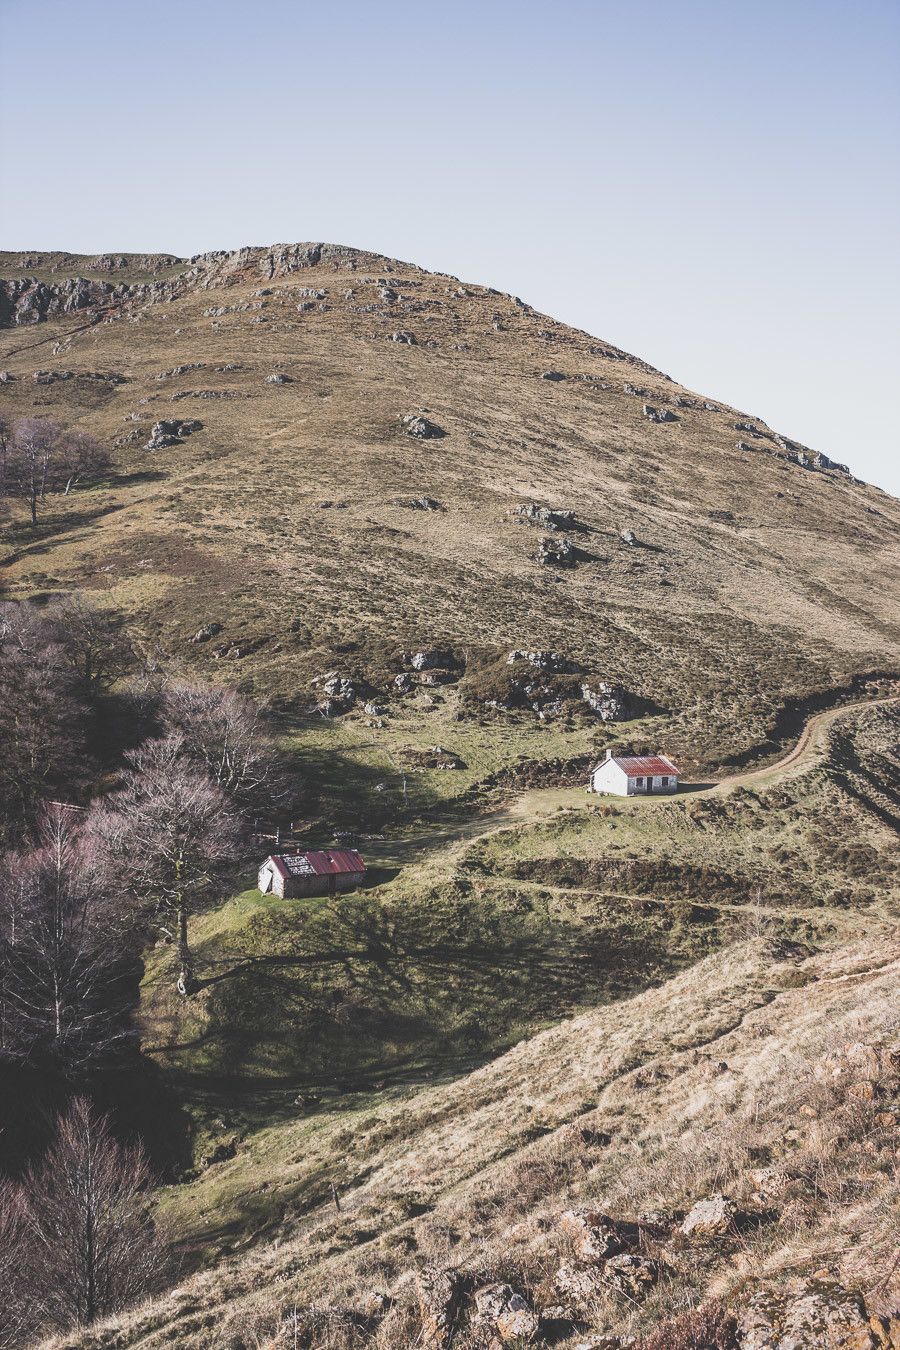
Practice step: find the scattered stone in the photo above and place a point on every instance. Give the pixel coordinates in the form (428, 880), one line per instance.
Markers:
(404, 336)
(5, 377)
(593, 1235)
(553, 375)
(750, 428)
(341, 689)
(374, 709)
(556, 552)
(506, 1312)
(278, 378)
(403, 683)
(414, 424)
(208, 631)
(712, 1217)
(744, 445)
(628, 537)
(659, 414)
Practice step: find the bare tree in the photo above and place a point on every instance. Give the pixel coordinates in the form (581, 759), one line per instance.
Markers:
(167, 835)
(40, 457)
(66, 977)
(226, 735)
(93, 644)
(85, 1244)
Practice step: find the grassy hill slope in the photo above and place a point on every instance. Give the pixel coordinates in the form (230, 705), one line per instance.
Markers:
(286, 517)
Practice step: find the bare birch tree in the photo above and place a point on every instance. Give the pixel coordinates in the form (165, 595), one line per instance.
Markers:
(166, 836)
(66, 977)
(85, 1243)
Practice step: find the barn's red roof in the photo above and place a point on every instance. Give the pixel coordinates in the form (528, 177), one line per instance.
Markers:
(319, 862)
(641, 766)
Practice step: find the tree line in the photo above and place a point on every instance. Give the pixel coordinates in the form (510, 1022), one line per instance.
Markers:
(125, 803)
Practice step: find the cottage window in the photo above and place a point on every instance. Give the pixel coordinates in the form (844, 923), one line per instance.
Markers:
(664, 782)
(639, 782)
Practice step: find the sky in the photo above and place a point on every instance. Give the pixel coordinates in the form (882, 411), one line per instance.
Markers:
(712, 186)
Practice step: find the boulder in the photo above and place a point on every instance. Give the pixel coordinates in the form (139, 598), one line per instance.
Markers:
(404, 336)
(208, 631)
(502, 1310)
(633, 1276)
(628, 537)
(439, 1292)
(429, 659)
(414, 424)
(553, 375)
(659, 414)
(556, 552)
(711, 1217)
(403, 683)
(816, 1313)
(278, 378)
(593, 1235)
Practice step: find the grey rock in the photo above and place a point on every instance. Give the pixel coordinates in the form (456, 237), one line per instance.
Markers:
(606, 700)
(547, 517)
(278, 378)
(556, 552)
(171, 432)
(552, 663)
(659, 414)
(628, 537)
(404, 336)
(555, 375)
(208, 631)
(414, 424)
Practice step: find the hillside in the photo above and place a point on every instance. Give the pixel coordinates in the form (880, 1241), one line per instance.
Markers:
(456, 550)
(292, 516)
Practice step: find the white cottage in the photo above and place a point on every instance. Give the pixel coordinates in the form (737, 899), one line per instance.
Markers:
(631, 775)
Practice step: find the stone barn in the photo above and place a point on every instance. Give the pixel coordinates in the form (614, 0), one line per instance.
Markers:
(632, 775)
(316, 872)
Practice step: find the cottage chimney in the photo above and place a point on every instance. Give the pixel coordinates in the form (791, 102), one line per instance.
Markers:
(609, 754)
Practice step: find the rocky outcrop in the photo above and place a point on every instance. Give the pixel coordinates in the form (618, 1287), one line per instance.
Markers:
(608, 701)
(547, 517)
(171, 432)
(550, 662)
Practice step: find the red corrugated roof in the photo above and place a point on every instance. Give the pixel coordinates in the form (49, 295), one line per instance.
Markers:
(640, 766)
(319, 862)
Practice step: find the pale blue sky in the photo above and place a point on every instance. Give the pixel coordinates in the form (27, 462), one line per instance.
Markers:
(713, 186)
